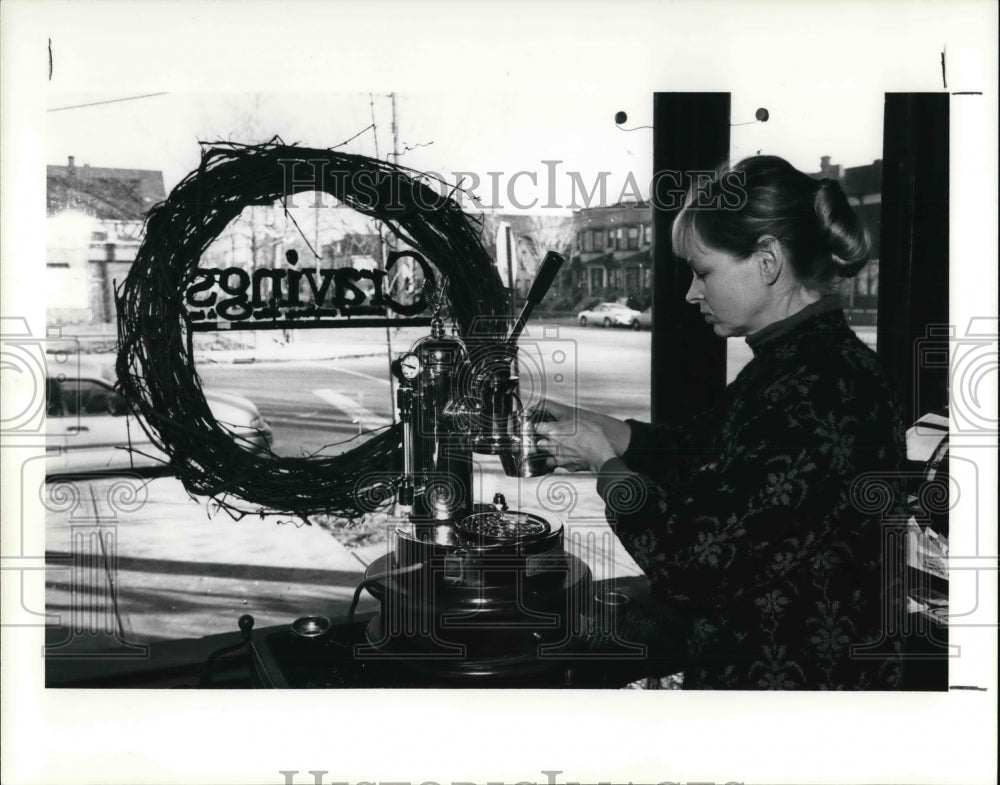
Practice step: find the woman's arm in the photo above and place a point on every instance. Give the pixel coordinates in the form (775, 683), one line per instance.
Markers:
(775, 497)
(671, 451)
(579, 439)
(582, 440)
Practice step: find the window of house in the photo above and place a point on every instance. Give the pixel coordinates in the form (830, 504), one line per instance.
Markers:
(596, 278)
(633, 238)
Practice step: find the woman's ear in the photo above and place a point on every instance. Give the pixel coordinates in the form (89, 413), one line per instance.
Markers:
(770, 258)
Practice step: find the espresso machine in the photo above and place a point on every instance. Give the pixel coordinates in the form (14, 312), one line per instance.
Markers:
(471, 588)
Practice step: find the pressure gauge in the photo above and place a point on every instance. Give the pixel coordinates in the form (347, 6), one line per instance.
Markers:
(408, 366)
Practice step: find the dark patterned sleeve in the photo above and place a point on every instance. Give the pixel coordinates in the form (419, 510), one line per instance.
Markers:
(747, 519)
(670, 451)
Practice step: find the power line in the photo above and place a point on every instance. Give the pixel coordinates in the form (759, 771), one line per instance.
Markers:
(112, 101)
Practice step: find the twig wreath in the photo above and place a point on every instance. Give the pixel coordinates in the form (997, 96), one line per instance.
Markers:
(156, 365)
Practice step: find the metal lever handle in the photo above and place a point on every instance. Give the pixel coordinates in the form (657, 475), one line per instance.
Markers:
(539, 288)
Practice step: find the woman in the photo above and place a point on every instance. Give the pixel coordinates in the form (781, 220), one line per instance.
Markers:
(742, 517)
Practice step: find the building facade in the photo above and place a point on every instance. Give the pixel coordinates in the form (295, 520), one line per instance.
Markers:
(863, 186)
(611, 255)
(94, 227)
(612, 252)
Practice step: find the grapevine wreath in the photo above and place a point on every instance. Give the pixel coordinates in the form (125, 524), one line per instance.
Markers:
(155, 363)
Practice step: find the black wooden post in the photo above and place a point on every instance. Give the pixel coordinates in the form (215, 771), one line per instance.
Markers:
(913, 327)
(690, 134)
(913, 264)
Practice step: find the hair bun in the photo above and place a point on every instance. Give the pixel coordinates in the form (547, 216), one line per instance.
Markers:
(841, 229)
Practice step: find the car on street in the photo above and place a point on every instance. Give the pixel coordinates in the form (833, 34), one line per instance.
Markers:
(90, 428)
(609, 315)
(645, 320)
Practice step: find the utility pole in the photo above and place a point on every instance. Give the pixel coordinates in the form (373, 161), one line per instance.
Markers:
(380, 258)
(395, 131)
(405, 264)
(395, 160)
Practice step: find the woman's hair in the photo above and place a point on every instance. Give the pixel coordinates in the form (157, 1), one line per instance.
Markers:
(731, 210)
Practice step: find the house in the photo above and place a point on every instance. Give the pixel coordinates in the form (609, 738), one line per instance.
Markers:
(611, 256)
(863, 186)
(94, 228)
(612, 251)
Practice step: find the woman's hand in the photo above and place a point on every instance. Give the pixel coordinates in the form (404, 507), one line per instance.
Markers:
(578, 439)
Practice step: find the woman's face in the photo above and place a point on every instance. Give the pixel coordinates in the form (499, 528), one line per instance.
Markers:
(729, 291)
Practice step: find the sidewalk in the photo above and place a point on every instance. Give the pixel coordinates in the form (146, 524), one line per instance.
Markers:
(238, 346)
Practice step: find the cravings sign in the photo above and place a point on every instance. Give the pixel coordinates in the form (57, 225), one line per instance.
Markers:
(225, 297)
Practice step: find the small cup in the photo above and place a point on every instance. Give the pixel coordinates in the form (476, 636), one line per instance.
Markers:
(526, 460)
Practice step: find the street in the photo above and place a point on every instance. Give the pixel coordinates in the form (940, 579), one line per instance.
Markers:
(314, 405)
(321, 406)
(326, 406)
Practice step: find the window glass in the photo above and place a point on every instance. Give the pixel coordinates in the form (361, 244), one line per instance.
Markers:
(633, 238)
(85, 397)
(53, 398)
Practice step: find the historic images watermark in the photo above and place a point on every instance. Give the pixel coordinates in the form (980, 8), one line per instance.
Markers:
(524, 189)
(84, 573)
(318, 777)
(949, 487)
(969, 355)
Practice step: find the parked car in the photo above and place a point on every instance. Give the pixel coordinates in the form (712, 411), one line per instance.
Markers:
(89, 427)
(644, 321)
(609, 315)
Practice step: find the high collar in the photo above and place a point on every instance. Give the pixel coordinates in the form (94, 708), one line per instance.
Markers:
(780, 329)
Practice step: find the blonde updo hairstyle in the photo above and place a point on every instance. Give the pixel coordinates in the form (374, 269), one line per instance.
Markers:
(823, 237)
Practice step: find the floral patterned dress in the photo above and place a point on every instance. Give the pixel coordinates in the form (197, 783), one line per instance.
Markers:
(752, 521)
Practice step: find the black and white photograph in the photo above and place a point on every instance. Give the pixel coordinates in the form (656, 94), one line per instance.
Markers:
(552, 393)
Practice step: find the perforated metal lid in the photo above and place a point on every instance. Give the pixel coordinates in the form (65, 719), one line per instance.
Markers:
(503, 526)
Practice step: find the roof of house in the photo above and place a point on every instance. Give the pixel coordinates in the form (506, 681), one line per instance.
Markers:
(860, 180)
(107, 194)
(622, 212)
(856, 180)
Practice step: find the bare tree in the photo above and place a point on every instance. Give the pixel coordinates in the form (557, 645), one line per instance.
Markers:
(534, 236)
